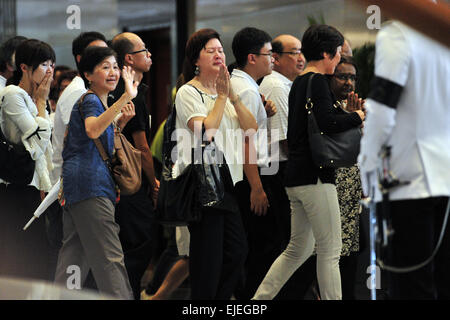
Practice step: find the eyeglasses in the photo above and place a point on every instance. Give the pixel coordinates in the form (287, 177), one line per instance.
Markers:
(263, 54)
(134, 52)
(345, 76)
(294, 53)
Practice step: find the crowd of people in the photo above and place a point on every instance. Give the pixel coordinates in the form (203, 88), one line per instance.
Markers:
(287, 225)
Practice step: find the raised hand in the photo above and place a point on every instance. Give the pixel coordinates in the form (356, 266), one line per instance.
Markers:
(130, 84)
(223, 82)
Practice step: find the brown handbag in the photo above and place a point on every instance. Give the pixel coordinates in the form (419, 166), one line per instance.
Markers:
(125, 165)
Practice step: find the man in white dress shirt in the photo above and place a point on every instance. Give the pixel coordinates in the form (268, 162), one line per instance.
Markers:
(289, 62)
(408, 110)
(7, 64)
(252, 49)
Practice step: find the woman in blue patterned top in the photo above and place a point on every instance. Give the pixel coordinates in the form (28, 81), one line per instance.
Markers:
(91, 240)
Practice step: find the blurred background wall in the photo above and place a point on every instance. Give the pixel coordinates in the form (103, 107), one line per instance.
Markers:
(165, 25)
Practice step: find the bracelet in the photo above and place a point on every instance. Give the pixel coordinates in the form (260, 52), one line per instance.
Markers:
(235, 101)
(117, 111)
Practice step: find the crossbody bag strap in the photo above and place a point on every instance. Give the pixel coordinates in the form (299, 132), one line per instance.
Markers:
(97, 142)
(203, 125)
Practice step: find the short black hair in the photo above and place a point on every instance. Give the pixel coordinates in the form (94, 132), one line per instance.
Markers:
(348, 60)
(66, 75)
(61, 68)
(321, 38)
(7, 50)
(122, 46)
(31, 52)
(194, 45)
(91, 57)
(277, 47)
(83, 40)
(246, 41)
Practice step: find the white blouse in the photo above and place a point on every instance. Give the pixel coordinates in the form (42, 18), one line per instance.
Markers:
(20, 124)
(228, 138)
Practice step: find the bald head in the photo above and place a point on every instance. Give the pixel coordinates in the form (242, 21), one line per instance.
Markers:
(131, 51)
(289, 61)
(126, 35)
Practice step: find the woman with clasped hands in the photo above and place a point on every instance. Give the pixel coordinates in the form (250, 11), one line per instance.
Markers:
(91, 236)
(218, 246)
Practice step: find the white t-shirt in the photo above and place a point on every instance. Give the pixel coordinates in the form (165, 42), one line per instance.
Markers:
(64, 107)
(247, 90)
(276, 87)
(228, 138)
(2, 82)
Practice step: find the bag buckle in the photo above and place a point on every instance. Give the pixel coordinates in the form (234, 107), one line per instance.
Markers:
(309, 104)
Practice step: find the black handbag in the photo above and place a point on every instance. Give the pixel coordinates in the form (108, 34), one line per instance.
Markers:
(203, 184)
(330, 150)
(16, 164)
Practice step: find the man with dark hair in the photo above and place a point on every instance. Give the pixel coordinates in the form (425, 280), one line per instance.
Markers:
(288, 64)
(134, 213)
(252, 49)
(7, 65)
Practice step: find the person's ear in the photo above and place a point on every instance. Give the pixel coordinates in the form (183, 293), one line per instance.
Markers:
(88, 75)
(10, 67)
(128, 60)
(276, 58)
(251, 58)
(78, 58)
(23, 67)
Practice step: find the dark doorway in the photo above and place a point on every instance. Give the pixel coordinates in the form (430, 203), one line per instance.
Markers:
(159, 77)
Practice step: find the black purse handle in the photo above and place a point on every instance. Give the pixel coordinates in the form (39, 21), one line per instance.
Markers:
(309, 104)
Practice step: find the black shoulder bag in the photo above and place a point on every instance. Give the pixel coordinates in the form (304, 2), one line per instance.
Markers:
(16, 164)
(200, 186)
(330, 150)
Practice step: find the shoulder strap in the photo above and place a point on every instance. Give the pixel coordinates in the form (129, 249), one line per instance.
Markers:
(97, 141)
(201, 93)
(309, 88)
(309, 104)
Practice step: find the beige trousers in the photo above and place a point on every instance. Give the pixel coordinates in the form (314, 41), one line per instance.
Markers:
(315, 221)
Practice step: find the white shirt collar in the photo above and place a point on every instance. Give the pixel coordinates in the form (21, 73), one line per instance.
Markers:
(242, 74)
(282, 77)
(2, 82)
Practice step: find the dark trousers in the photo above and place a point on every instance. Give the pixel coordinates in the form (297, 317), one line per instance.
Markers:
(134, 215)
(166, 261)
(417, 225)
(348, 266)
(23, 254)
(267, 235)
(216, 255)
(54, 228)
